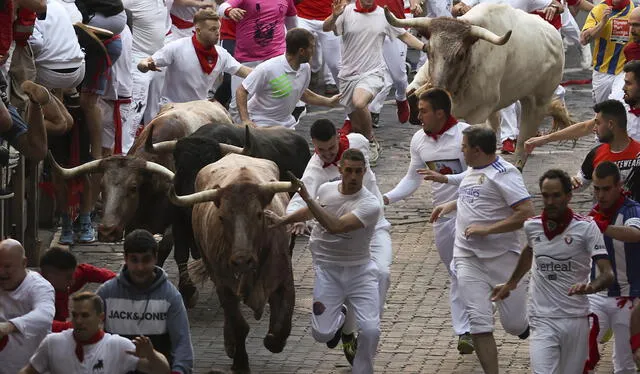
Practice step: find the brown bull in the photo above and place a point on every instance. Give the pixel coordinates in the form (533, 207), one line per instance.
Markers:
(245, 259)
(135, 197)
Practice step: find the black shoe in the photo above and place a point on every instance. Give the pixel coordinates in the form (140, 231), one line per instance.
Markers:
(336, 338)
(375, 117)
(525, 334)
(299, 112)
(349, 347)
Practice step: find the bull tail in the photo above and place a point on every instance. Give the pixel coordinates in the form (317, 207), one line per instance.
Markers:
(198, 271)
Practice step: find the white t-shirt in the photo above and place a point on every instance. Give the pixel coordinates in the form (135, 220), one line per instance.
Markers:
(56, 355)
(350, 248)
(316, 175)
(31, 308)
(274, 89)
(362, 38)
(121, 75)
(184, 79)
(72, 10)
(560, 263)
(485, 196)
(148, 25)
(443, 155)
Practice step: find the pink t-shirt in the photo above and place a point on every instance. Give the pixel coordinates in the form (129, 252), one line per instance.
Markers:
(260, 35)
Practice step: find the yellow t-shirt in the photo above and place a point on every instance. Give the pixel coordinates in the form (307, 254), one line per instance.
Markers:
(607, 53)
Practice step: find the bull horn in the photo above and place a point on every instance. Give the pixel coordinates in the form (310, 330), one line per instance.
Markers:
(159, 169)
(422, 22)
(192, 199)
(482, 33)
(79, 170)
(160, 147)
(276, 187)
(228, 148)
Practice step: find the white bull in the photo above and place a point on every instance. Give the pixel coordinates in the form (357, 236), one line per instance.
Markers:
(483, 76)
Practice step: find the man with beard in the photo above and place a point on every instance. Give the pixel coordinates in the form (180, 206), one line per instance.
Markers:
(616, 146)
(561, 246)
(276, 85)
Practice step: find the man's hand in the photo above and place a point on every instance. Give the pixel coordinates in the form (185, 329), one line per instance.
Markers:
(440, 211)
(460, 9)
(275, 219)
(236, 14)
(532, 143)
(298, 228)
(606, 14)
(147, 64)
(575, 182)
(430, 175)
(550, 12)
(581, 289)
(416, 9)
(300, 188)
(338, 7)
(475, 229)
(502, 291)
(334, 100)
(385, 200)
(144, 347)
(6, 328)
(250, 123)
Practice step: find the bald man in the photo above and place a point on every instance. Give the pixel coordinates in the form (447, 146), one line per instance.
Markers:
(27, 307)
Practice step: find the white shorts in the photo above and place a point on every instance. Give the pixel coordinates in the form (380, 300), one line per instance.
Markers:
(371, 82)
(108, 125)
(53, 79)
(476, 279)
(601, 84)
(558, 345)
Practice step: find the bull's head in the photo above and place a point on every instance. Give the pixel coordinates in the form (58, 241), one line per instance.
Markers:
(240, 211)
(449, 43)
(169, 146)
(124, 180)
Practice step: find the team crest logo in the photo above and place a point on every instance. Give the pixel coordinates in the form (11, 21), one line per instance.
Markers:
(481, 179)
(568, 239)
(551, 226)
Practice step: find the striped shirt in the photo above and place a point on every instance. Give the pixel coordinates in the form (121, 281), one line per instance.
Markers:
(608, 57)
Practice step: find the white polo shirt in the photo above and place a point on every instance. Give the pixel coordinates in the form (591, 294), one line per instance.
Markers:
(485, 196)
(184, 79)
(560, 263)
(274, 88)
(56, 355)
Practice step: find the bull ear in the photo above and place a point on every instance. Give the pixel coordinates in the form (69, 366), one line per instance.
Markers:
(247, 142)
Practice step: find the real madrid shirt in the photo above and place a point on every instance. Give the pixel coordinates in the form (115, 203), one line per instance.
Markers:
(486, 195)
(560, 263)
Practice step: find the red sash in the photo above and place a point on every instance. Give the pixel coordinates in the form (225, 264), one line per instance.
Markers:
(180, 23)
(117, 124)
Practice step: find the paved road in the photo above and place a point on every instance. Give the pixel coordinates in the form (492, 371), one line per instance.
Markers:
(416, 335)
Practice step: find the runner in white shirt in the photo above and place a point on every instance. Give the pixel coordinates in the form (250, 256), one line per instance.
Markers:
(276, 85)
(347, 215)
(27, 307)
(87, 349)
(323, 168)
(193, 64)
(437, 147)
(492, 203)
(560, 246)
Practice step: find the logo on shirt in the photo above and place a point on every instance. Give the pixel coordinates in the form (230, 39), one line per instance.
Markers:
(568, 239)
(280, 86)
(121, 314)
(98, 367)
(469, 194)
(482, 179)
(550, 266)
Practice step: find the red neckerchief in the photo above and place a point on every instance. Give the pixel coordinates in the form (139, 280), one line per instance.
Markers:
(635, 111)
(554, 228)
(451, 121)
(623, 4)
(3, 342)
(360, 9)
(343, 145)
(92, 340)
(607, 214)
(207, 57)
(632, 51)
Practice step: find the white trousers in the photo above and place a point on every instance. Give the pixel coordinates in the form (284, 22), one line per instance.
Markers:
(328, 55)
(570, 29)
(617, 319)
(510, 122)
(335, 285)
(444, 232)
(108, 125)
(476, 279)
(394, 52)
(601, 86)
(558, 345)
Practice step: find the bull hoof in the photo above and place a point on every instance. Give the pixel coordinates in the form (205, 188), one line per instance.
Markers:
(230, 348)
(240, 370)
(190, 295)
(274, 344)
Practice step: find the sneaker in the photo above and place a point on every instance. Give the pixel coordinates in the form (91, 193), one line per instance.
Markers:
(508, 146)
(298, 113)
(331, 89)
(86, 232)
(349, 347)
(346, 128)
(66, 234)
(375, 117)
(374, 152)
(403, 111)
(336, 338)
(465, 344)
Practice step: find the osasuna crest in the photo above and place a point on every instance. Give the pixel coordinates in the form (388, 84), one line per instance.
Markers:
(552, 225)
(568, 239)
(481, 179)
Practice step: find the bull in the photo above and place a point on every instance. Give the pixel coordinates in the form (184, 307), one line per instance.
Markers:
(135, 195)
(469, 57)
(247, 260)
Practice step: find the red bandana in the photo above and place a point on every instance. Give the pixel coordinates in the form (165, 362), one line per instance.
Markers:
(360, 9)
(207, 57)
(451, 121)
(3, 342)
(607, 214)
(343, 145)
(632, 51)
(623, 4)
(553, 228)
(92, 340)
(635, 111)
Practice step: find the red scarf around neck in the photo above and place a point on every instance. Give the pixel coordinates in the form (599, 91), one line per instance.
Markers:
(634, 111)
(343, 145)
(607, 214)
(554, 228)
(451, 121)
(360, 9)
(207, 57)
(92, 340)
(623, 4)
